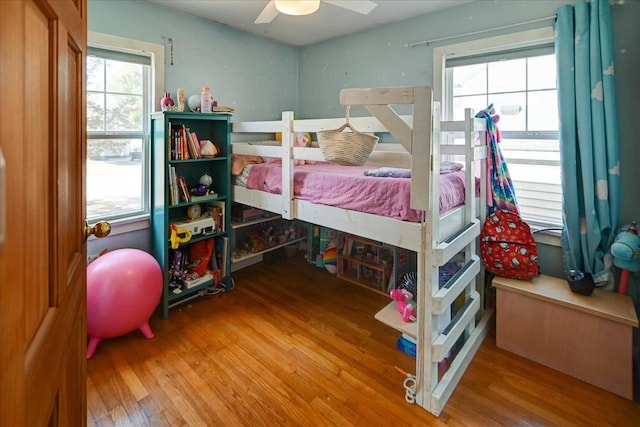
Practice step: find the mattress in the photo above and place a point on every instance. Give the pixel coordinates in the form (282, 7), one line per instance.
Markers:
(348, 187)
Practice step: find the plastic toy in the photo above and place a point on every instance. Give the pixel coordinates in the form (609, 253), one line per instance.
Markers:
(403, 298)
(626, 254)
(178, 235)
(330, 258)
(193, 102)
(123, 289)
(177, 271)
(166, 102)
(206, 179)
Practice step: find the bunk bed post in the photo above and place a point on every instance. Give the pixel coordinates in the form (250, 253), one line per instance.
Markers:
(421, 149)
(470, 211)
(288, 205)
(424, 160)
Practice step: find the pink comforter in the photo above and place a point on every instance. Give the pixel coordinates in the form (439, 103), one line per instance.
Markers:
(347, 187)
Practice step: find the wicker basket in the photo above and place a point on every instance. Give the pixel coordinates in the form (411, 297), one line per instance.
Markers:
(346, 148)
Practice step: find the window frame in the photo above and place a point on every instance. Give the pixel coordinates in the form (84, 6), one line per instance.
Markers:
(140, 219)
(486, 46)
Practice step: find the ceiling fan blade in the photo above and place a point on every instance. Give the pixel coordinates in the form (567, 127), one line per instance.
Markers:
(268, 13)
(360, 6)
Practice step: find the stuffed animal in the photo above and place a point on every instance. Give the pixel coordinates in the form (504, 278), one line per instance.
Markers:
(208, 149)
(403, 299)
(302, 140)
(626, 254)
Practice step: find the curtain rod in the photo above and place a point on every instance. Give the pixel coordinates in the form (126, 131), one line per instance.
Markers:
(533, 21)
(427, 42)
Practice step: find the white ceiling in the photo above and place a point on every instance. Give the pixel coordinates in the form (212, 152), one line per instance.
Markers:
(328, 22)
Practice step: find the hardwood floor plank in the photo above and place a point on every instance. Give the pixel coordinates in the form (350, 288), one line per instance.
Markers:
(168, 380)
(262, 404)
(328, 415)
(159, 416)
(95, 406)
(293, 345)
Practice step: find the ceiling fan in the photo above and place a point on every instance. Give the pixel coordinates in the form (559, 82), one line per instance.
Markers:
(306, 7)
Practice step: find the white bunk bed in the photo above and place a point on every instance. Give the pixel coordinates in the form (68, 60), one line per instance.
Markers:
(436, 239)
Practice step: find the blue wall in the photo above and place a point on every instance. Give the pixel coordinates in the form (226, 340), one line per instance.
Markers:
(256, 76)
(378, 57)
(259, 77)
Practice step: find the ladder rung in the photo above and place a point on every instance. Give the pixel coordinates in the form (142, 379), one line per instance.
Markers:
(443, 343)
(453, 244)
(456, 285)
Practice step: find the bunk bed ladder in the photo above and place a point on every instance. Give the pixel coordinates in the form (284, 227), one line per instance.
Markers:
(464, 282)
(422, 140)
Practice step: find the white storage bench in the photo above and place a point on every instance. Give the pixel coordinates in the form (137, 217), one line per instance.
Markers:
(587, 337)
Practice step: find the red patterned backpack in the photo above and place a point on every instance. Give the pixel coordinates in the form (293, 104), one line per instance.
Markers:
(507, 247)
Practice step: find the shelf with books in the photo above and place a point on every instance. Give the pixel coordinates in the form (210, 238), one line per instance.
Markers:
(185, 180)
(189, 203)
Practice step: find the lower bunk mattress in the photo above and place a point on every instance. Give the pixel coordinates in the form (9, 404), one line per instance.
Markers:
(353, 187)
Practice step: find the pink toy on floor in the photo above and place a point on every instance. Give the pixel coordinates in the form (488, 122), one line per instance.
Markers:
(405, 308)
(123, 290)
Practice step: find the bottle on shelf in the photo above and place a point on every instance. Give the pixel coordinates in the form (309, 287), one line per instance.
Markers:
(206, 100)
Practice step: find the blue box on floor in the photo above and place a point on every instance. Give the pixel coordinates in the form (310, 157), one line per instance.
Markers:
(406, 346)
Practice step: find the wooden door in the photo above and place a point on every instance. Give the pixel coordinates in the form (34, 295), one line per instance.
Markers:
(43, 253)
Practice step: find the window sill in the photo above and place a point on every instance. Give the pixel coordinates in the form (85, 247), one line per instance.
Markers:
(548, 237)
(127, 225)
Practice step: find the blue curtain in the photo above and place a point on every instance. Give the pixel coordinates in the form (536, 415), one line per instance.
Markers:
(589, 150)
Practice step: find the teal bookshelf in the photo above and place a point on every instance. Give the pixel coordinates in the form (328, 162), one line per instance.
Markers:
(169, 207)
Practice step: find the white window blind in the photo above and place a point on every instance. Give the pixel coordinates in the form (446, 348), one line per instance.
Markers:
(521, 84)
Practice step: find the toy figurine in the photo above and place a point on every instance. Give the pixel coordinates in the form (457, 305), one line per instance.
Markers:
(626, 254)
(181, 99)
(302, 140)
(166, 103)
(404, 304)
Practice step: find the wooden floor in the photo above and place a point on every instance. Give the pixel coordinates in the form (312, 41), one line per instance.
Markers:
(293, 345)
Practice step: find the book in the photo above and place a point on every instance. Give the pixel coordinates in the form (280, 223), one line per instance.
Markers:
(223, 109)
(184, 149)
(174, 198)
(204, 198)
(169, 141)
(183, 190)
(216, 209)
(193, 152)
(206, 277)
(196, 142)
(174, 143)
(221, 250)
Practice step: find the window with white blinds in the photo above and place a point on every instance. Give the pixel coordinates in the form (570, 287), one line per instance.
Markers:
(521, 85)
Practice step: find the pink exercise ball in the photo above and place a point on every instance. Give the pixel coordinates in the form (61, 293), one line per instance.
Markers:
(123, 289)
